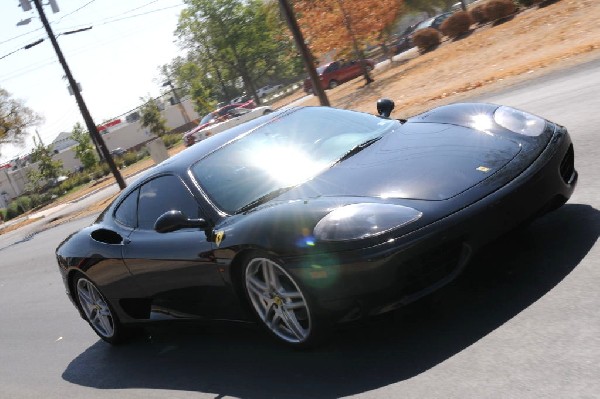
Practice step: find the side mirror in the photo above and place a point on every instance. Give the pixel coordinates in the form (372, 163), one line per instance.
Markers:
(385, 106)
(176, 220)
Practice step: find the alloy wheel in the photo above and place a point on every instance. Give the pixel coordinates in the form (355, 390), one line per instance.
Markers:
(95, 308)
(278, 300)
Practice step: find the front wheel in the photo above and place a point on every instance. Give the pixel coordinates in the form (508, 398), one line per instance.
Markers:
(98, 312)
(333, 84)
(280, 304)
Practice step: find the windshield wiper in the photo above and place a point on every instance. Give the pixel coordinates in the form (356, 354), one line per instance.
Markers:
(261, 200)
(355, 150)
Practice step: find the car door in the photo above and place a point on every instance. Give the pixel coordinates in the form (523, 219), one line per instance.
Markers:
(354, 69)
(331, 73)
(176, 270)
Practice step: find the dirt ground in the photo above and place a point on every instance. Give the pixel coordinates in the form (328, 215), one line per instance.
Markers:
(535, 41)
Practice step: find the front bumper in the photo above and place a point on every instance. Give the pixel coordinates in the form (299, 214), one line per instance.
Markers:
(373, 280)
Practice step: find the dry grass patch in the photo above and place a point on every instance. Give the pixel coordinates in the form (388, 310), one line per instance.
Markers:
(534, 39)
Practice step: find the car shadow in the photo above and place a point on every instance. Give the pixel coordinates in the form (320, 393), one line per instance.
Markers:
(503, 280)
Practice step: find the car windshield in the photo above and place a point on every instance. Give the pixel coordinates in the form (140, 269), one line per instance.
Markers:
(424, 24)
(322, 68)
(207, 118)
(287, 151)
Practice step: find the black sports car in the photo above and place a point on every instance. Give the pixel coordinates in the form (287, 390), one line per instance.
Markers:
(313, 216)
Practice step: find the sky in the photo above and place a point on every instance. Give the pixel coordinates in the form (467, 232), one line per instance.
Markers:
(116, 62)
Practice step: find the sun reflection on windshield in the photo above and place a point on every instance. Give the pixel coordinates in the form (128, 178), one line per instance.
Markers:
(286, 165)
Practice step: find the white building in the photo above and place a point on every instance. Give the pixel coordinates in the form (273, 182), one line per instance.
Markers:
(126, 134)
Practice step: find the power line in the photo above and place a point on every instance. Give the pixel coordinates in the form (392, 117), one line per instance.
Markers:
(92, 23)
(116, 18)
(137, 15)
(52, 60)
(54, 22)
(137, 8)
(73, 12)
(21, 35)
(11, 53)
(108, 21)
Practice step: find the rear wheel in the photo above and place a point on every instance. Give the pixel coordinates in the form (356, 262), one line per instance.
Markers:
(282, 307)
(98, 312)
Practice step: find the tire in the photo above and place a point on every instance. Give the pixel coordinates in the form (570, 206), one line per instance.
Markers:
(282, 308)
(98, 312)
(333, 84)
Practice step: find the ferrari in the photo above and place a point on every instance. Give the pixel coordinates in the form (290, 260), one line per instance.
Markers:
(314, 216)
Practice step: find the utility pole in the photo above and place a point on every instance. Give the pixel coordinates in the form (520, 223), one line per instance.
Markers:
(96, 137)
(177, 100)
(304, 52)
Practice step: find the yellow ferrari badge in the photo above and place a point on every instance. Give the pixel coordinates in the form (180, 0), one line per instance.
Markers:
(219, 237)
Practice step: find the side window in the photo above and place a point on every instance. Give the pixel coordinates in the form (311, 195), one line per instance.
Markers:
(164, 194)
(126, 212)
(333, 67)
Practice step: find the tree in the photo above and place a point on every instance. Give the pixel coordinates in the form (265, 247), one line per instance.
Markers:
(237, 45)
(84, 150)
(431, 7)
(15, 119)
(197, 86)
(344, 25)
(48, 169)
(152, 118)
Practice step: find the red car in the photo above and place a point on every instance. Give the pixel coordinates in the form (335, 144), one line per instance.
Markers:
(336, 72)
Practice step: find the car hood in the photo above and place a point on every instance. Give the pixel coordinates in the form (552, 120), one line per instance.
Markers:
(426, 161)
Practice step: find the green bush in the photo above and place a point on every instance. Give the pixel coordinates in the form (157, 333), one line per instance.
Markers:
(143, 153)
(19, 206)
(13, 210)
(498, 9)
(129, 158)
(105, 168)
(24, 202)
(55, 192)
(479, 14)
(3, 213)
(171, 139)
(457, 24)
(65, 186)
(427, 39)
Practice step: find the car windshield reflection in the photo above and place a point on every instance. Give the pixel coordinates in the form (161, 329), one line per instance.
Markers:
(284, 152)
(207, 118)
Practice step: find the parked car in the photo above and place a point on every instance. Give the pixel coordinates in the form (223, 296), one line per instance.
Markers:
(221, 114)
(468, 3)
(337, 72)
(314, 216)
(117, 152)
(268, 89)
(241, 99)
(404, 41)
(434, 22)
(222, 119)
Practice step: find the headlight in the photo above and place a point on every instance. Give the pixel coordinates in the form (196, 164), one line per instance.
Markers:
(356, 221)
(519, 121)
